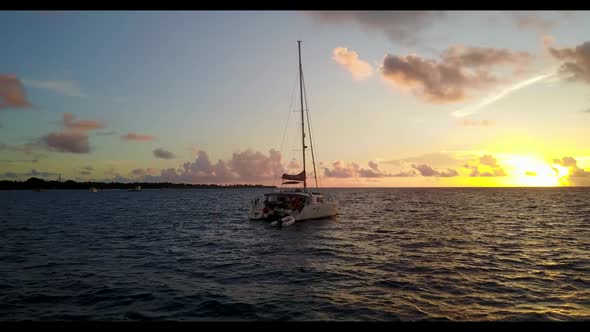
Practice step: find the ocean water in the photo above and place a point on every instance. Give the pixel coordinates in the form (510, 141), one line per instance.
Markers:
(392, 254)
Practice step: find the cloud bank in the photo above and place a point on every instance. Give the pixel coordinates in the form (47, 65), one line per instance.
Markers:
(426, 170)
(575, 62)
(73, 138)
(460, 72)
(572, 165)
(339, 170)
(485, 166)
(245, 167)
(71, 142)
(403, 27)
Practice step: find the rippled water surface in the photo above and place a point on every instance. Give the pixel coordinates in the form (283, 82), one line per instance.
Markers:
(391, 254)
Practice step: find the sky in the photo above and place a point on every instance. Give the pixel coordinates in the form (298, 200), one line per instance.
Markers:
(459, 98)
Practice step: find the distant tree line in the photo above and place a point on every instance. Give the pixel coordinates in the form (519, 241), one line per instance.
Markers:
(36, 183)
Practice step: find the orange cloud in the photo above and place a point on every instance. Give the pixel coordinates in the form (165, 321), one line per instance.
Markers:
(73, 138)
(81, 125)
(137, 137)
(350, 60)
(12, 93)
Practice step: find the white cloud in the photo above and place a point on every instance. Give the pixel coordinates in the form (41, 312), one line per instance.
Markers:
(66, 88)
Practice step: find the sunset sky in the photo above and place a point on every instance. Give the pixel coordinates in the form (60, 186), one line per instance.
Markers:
(395, 98)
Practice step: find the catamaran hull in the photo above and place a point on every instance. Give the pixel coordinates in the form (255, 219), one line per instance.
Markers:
(317, 211)
(309, 212)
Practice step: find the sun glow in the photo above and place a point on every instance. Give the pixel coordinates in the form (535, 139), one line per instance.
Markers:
(533, 171)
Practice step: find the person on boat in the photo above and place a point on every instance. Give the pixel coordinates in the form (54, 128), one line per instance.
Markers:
(297, 204)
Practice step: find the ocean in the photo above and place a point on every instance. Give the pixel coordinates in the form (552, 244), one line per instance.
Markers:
(395, 254)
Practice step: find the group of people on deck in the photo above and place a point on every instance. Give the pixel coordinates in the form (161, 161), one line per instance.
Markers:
(296, 203)
(283, 206)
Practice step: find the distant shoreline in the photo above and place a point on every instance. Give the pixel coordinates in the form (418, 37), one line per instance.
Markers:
(36, 184)
(40, 184)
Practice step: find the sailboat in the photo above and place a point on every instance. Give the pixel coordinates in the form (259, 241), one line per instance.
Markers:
(137, 188)
(289, 205)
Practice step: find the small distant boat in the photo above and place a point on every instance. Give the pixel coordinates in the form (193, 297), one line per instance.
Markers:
(137, 188)
(93, 190)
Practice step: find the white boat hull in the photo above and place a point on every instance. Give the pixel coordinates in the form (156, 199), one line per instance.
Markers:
(317, 211)
(309, 212)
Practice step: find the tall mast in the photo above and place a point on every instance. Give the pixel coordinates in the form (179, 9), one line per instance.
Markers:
(302, 120)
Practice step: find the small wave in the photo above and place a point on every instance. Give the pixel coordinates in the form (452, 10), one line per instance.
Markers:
(142, 296)
(214, 308)
(44, 298)
(398, 285)
(134, 315)
(40, 266)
